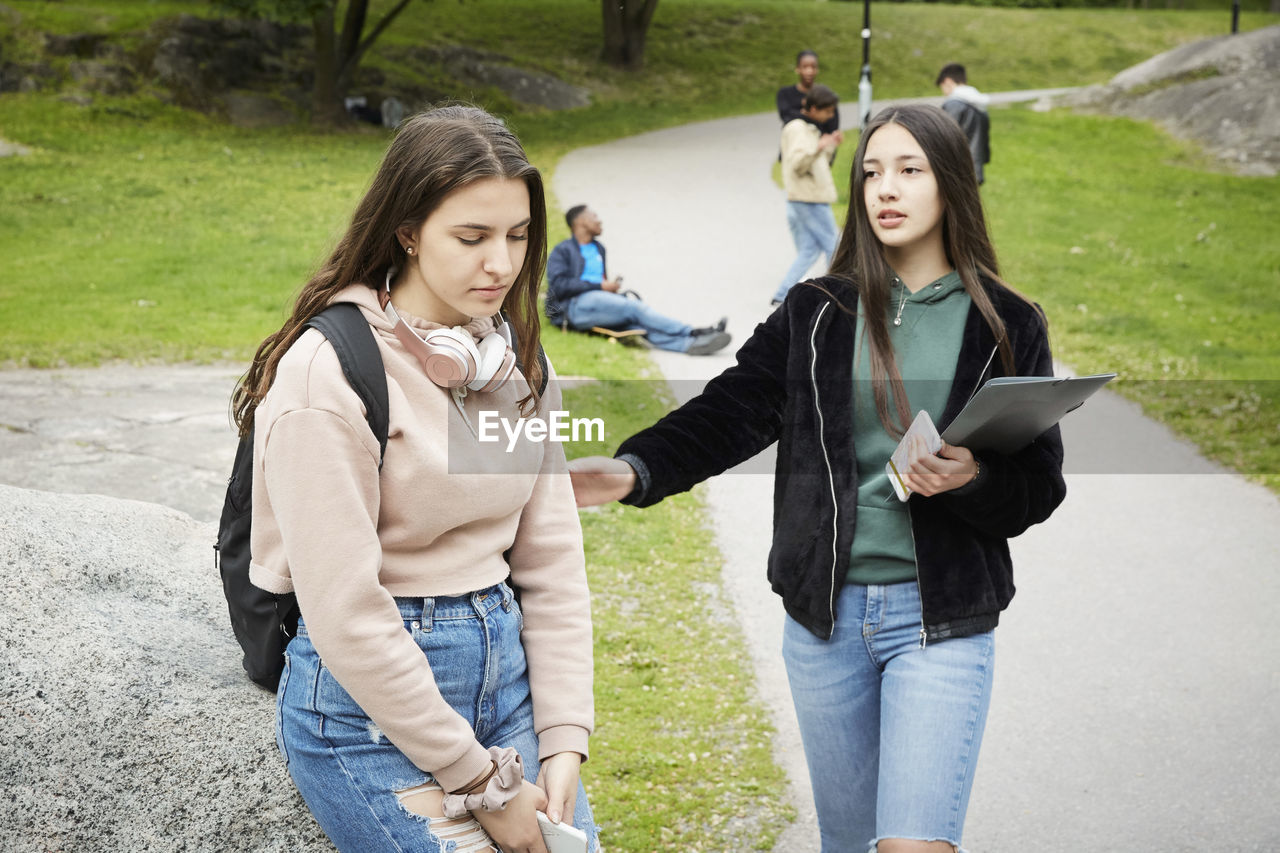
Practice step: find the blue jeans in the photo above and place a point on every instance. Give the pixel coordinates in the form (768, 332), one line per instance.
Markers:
(891, 730)
(615, 311)
(813, 229)
(347, 770)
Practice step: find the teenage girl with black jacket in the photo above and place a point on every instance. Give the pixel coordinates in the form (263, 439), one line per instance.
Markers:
(891, 606)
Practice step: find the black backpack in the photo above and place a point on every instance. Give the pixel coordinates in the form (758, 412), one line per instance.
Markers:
(264, 622)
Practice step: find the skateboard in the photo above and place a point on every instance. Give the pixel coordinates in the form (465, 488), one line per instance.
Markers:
(632, 337)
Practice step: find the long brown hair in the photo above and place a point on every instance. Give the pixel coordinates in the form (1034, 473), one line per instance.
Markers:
(433, 154)
(860, 260)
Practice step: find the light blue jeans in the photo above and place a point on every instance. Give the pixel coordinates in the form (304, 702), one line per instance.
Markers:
(615, 311)
(813, 229)
(891, 730)
(349, 778)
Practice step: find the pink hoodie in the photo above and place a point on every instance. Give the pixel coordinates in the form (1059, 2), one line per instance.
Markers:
(435, 522)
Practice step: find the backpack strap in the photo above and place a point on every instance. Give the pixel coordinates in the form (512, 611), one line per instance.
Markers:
(357, 349)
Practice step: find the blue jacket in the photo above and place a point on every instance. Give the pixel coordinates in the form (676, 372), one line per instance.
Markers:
(564, 278)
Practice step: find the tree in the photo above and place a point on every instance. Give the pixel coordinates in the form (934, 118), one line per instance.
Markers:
(626, 25)
(337, 52)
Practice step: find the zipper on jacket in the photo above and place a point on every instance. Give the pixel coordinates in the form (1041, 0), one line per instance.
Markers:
(924, 634)
(915, 558)
(831, 480)
(983, 374)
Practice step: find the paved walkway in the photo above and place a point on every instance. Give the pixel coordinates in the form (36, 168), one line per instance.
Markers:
(1137, 699)
(1138, 693)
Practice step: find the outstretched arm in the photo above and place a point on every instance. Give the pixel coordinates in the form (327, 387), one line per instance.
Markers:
(600, 479)
(736, 416)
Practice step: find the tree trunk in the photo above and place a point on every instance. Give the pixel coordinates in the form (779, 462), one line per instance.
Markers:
(635, 48)
(338, 55)
(626, 28)
(352, 29)
(326, 100)
(1275, 7)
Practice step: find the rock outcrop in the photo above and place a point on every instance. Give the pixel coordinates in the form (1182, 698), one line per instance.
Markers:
(126, 722)
(530, 88)
(258, 73)
(1222, 92)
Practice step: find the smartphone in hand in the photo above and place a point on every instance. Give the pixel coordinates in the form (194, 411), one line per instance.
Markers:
(562, 837)
(921, 438)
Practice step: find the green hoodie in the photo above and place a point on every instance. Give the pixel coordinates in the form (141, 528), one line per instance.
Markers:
(926, 347)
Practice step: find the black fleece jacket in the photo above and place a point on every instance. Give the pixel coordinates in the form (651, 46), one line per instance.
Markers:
(793, 384)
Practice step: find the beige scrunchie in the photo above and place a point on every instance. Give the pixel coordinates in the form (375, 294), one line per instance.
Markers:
(503, 786)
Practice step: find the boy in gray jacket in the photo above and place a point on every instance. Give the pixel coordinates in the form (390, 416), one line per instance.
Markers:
(968, 107)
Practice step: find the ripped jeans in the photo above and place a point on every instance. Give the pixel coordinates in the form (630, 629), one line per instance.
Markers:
(347, 770)
(891, 731)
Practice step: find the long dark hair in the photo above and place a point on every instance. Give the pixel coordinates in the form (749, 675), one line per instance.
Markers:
(860, 260)
(433, 154)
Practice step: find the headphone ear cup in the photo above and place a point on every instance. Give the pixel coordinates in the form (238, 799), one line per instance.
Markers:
(452, 358)
(496, 364)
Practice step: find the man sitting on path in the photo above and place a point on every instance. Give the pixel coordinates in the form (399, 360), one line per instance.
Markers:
(580, 294)
(968, 107)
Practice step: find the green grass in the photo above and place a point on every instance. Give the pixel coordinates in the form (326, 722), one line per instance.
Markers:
(137, 213)
(143, 232)
(712, 58)
(681, 756)
(1152, 263)
(158, 234)
(681, 753)
(114, 17)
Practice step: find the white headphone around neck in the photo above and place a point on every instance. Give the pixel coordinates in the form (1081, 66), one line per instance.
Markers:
(451, 357)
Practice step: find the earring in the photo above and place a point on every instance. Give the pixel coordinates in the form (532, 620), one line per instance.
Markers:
(408, 250)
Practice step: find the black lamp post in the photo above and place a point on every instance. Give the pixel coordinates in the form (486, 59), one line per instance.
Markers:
(864, 84)
(1235, 16)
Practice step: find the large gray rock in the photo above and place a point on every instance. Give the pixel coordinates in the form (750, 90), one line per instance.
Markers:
(1222, 92)
(198, 59)
(126, 722)
(83, 45)
(1226, 55)
(106, 77)
(533, 88)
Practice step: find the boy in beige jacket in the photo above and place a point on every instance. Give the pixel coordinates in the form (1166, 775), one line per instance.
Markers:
(806, 174)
